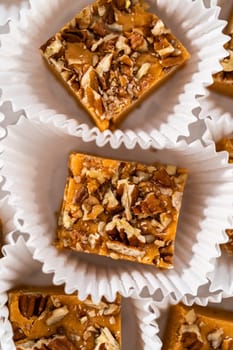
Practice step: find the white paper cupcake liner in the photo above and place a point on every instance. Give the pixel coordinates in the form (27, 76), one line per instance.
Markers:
(7, 213)
(10, 9)
(27, 82)
(35, 168)
(18, 267)
(214, 104)
(222, 276)
(9, 221)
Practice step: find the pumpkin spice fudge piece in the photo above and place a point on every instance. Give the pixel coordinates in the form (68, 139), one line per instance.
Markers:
(119, 209)
(223, 81)
(198, 328)
(110, 55)
(46, 318)
(226, 144)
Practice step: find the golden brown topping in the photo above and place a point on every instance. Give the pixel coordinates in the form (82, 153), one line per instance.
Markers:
(65, 322)
(87, 54)
(198, 327)
(121, 208)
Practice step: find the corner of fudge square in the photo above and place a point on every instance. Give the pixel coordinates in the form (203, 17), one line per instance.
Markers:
(121, 209)
(111, 55)
(46, 318)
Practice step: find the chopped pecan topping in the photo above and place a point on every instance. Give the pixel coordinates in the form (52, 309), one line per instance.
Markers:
(143, 70)
(67, 323)
(110, 201)
(110, 14)
(215, 338)
(129, 208)
(52, 343)
(138, 42)
(122, 224)
(190, 341)
(128, 251)
(81, 194)
(57, 315)
(95, 39)
(159, 28)
(190, 317)
(84, 18)
(106, 341)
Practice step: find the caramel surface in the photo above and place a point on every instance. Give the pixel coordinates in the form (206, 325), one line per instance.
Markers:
(123, 210)
(48, 315)
(198, 328)
(111, 55)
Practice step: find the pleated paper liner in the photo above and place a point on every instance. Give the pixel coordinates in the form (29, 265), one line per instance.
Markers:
(35, 168)
(214, 105)
(18, 267)
(10, 10)
(222, 276)
(28, 84)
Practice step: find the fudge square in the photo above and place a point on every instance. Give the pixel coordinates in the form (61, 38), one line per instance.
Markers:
(223, 81)
(46, 318)
(198, 328)
(120, 209)
(226, 144)
(110, 55)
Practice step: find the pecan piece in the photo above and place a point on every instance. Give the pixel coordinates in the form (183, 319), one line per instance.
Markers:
(138, 42)
(81, 195)
(190, 341)
(166, 252)
(161, 176)
(32, 305)
(74, 36)
(84, 18)
(122, 4)
(122, 249)
(149, 206)
(99, 28)
(57, 315)
(18, 332)
(215, 338)
(106, 341)
(109, 14)
(61, 343)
